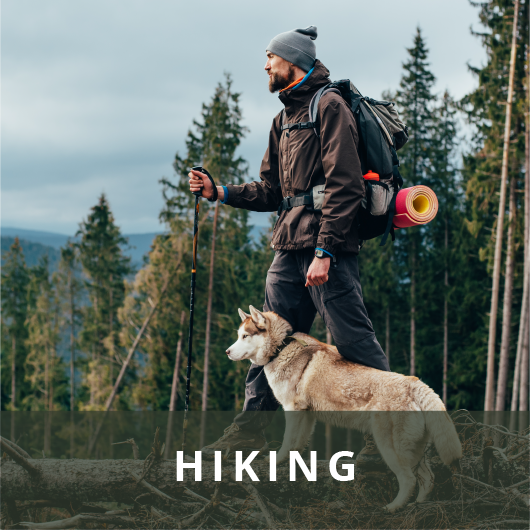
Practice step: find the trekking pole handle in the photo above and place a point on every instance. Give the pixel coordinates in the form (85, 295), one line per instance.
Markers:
(200, 169)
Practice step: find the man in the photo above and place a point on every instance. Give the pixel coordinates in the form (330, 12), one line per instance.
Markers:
(315, 267)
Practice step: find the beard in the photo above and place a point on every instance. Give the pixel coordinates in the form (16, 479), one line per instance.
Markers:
(279, 82)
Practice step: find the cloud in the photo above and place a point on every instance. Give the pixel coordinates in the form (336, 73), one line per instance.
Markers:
(99, 95)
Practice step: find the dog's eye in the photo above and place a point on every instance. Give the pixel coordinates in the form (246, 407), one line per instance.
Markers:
(245, 336)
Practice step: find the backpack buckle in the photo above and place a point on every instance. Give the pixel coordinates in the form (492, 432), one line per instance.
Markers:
(287, 203)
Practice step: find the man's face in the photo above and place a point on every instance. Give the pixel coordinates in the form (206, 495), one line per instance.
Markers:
(281, 72)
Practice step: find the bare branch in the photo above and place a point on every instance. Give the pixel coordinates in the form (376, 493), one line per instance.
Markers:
(259, 501)
(523, 452)
(108, 518)
(205, 511)
(489, 524)
(136, 451)
(152, 489)
(18, 449)
(185, 490)
(18, 458)
(518, 484)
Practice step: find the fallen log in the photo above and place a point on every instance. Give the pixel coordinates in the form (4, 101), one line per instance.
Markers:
(115, 481)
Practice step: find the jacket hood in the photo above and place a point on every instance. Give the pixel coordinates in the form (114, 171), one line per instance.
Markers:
(318, 78)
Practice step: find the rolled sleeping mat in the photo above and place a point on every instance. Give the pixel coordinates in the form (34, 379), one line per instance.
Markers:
(415, 206)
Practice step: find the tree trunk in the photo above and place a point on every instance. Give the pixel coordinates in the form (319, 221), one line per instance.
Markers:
(13, 371)
(174, 385)
(72, 437)
(175, 382)
(50, 400)
(524, 323)
(47, 434)
(413, 310)
(446, 314)
(489, 400)
(111, 334)
(46, 379)
(523, 395)
(72, 342)
(517, 367)
(523, 319)
(387, 338)
(507, 305)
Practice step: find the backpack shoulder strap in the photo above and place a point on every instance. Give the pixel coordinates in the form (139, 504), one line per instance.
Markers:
(313, 106)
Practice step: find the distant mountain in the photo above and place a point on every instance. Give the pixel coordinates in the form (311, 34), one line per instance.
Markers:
(50, 239)
(33, 252)
(38, 243)
(139, 244)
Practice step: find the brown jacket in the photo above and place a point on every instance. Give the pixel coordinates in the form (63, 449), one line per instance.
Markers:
(294, 164)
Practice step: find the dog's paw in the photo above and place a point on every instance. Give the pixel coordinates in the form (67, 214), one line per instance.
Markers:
(282, 458)
(391, 508)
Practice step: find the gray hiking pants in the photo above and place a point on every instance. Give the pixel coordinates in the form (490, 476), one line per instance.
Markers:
(339, 302)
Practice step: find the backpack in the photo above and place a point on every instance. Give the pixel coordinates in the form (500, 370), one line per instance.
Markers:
(381, 135)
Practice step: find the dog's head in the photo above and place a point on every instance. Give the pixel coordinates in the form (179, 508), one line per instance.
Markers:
(258, 336)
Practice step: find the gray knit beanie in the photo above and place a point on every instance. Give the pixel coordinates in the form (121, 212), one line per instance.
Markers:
(296, 46)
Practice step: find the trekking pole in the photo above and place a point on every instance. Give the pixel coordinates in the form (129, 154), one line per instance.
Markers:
(197, 194)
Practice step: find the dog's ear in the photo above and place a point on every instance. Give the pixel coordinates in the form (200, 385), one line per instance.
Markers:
(258, 318)
(243, 315)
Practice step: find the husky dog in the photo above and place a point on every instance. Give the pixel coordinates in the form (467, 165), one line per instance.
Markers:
(307, 375)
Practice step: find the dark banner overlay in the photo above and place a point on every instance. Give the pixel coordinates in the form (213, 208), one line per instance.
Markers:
(318, 470)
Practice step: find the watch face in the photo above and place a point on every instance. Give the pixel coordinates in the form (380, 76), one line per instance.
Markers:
(319, 253)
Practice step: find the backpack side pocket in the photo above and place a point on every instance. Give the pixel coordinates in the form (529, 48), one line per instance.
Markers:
(381, 197)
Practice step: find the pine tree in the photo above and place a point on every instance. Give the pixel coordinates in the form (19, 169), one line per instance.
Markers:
(44, 368)
(15, 280)
(70, 289)
(106, 267)
(212, 143)
(415, 100)
(443, 178)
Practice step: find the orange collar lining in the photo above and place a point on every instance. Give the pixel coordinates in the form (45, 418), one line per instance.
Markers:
(294, 83)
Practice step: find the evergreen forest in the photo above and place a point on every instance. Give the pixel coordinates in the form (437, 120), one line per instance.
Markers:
(448, 300)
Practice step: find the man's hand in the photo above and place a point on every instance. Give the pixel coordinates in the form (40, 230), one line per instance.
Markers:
(318, 272)
(200, 182)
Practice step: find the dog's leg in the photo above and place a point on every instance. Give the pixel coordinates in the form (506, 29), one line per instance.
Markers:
(298, 427)
(425, 477)
(305, 429)
(384, 435)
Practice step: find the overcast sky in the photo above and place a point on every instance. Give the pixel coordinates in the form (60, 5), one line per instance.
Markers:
(98, 95)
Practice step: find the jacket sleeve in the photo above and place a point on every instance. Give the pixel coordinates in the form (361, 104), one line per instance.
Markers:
(264, 195)
(342, 168)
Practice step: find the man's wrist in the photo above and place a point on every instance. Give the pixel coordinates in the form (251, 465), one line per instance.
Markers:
(222, 194)
(321, 253)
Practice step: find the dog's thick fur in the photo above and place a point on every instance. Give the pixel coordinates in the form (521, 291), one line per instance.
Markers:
(316, 379)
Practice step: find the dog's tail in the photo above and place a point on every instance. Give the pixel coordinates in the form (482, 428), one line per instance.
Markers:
(439, 425)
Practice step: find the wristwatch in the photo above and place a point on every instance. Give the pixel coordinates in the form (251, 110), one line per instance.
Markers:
(319, 253)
